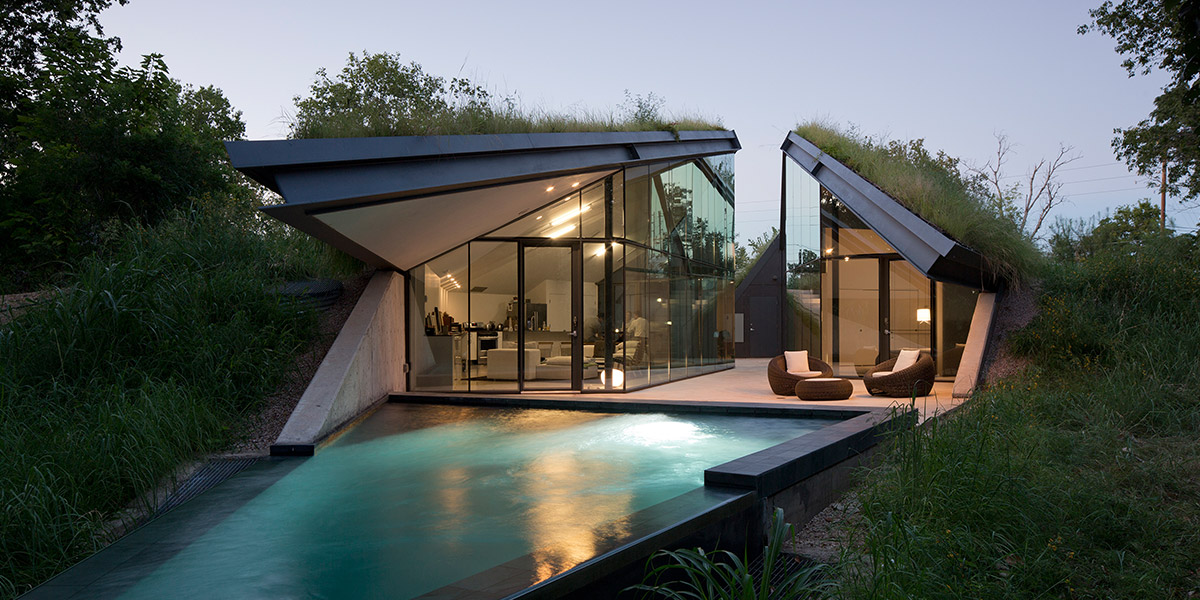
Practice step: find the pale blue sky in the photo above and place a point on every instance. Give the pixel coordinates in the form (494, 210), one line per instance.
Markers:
(952, 72)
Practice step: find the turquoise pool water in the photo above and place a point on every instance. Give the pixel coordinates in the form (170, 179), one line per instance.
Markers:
(417, 497)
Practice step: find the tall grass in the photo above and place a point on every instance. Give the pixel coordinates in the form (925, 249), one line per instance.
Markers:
(932, 188)
(147, 360)
(695, 574)
(1080, 479)
(499, 119)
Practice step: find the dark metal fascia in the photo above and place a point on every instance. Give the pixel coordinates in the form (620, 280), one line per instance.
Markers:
(920, 243)
(331, 172)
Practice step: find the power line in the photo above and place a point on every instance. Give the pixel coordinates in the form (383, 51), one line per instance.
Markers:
(1092, 167)
(1100, 179)
(1072, 169)
(1108, 191)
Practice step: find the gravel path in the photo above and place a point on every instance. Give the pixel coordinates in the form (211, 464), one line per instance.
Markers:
(12, 305)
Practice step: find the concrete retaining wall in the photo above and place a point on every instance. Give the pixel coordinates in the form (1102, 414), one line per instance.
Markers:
(364, 365)
(977, 337)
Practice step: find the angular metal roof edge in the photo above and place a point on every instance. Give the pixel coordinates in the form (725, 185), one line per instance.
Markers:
(245, 154)
(926, 247)
(493, 159)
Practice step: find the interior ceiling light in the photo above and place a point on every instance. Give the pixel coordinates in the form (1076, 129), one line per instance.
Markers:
(829, 251)
(561, 232)
(550, 189)
(602, 249)
(575, 185)
(570, 214)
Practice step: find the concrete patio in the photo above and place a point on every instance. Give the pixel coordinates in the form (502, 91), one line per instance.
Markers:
(746, 383)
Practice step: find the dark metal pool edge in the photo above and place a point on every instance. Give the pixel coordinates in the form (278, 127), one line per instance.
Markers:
(773, 469)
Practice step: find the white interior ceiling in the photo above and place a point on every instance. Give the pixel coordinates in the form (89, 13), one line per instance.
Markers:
(409, 232)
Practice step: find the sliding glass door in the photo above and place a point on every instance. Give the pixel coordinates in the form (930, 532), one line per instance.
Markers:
(551, 276)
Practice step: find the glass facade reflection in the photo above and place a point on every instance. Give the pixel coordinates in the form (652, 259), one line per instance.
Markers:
(622, 282)
(852, 297)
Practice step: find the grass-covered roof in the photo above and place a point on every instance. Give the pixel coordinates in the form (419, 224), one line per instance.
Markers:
(379, 95)
(932, 187)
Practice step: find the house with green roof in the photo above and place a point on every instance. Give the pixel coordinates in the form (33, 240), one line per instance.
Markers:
(876, 253)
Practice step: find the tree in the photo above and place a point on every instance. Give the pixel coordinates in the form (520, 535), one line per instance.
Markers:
(1033, 196)
(97, 142)
(379, 95)
(1122, 232)
(1163, 35)
(29, 27)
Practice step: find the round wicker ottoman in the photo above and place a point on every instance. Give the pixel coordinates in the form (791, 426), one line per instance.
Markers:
(824, 388)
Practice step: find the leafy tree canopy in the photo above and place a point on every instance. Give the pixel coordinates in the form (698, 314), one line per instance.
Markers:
(379, 95)
(29, 27)
(92, 142)
(1162, 34)
(1121, 232)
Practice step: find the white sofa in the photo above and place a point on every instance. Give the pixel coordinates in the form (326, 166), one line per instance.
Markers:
(502, 363)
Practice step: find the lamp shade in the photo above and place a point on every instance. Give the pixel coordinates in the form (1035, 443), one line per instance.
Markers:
(923, 315)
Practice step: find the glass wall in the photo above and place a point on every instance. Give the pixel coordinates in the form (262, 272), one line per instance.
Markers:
(438, 352)
(679, 271)
(494, 318)
(852, 297)
(622, 282)
(803, 252)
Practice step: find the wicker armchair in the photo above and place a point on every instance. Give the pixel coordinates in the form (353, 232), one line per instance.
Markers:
(784, 383)
(916, 380)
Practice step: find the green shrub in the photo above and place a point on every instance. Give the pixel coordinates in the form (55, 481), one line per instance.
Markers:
(148, 359)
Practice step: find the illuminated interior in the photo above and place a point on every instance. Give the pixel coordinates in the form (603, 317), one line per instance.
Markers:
(852, 297)
(615, 283)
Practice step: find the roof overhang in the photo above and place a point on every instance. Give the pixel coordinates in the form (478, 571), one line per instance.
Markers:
(395, 202)
(924, 246)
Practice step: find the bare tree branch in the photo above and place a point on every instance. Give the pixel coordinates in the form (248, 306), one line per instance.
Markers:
(1048, 194)
(1038, 193)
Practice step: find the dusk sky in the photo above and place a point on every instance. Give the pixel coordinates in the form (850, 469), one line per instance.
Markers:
(954, 73)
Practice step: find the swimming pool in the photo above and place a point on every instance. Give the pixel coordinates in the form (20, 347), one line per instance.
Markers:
(417, 497)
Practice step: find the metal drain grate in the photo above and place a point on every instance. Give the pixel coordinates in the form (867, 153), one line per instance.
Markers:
(209, 475)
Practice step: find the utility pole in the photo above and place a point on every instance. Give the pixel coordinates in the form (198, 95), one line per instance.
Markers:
(1163, 206)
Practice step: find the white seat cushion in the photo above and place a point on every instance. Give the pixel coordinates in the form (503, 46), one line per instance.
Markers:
(805, 374)
(796, 361)
(559, 360)
(906, 359)
(826, 379)
(878, 373)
